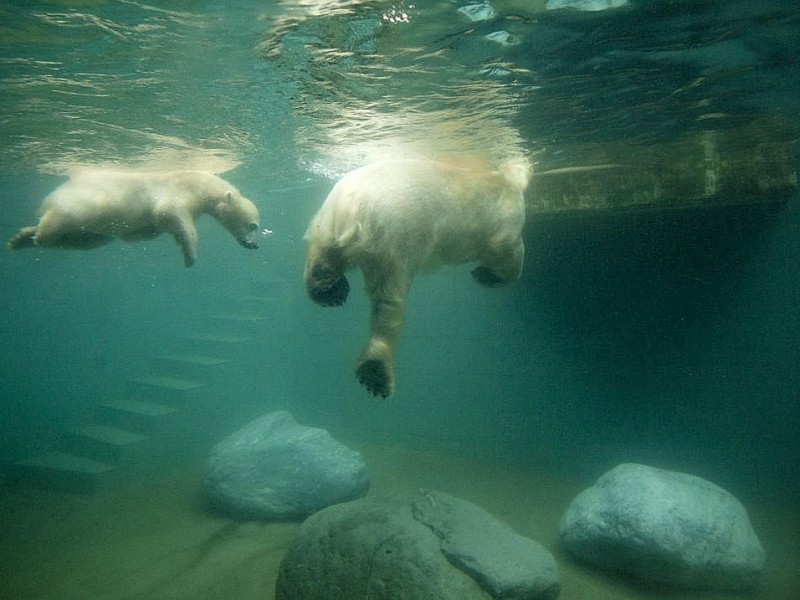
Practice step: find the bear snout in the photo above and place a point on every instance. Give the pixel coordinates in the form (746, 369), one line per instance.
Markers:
(249, 243)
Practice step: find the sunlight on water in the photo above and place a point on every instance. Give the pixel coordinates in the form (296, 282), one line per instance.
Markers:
(388, 82)
(121, 85)
(508, 78)
(140, 84)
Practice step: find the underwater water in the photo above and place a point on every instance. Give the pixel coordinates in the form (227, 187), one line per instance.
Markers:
(664, 337)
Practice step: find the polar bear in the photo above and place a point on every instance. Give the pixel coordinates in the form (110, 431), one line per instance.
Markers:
(396, 217)
(97, 205)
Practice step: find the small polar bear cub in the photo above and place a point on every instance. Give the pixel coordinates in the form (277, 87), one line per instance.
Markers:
(97, 205)
(394, 218)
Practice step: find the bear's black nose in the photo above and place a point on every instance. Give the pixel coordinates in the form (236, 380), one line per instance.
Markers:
(249, 244)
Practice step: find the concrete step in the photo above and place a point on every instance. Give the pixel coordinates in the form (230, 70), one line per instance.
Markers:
(191, 365)
(163, 389)
(247, 318)
(214, 343)
(261, 302)
(273, 309)
(196, 359)
(244, 323)
(146, 418)
(275, 288)
(64, 472)
(107, 444)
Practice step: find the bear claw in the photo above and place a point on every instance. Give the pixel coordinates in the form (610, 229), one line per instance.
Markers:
(485, 276)
(374, 376)
(334, 294)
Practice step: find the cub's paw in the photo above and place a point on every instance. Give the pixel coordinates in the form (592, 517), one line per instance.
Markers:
(487, 277)
(375, 375)
(329, 293)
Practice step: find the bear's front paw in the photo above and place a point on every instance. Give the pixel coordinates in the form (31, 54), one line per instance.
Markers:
(375, 375)
(487, 277)
(330, 294)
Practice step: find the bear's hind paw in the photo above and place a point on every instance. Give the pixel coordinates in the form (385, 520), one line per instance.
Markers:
(487, 277)
(334, 294)
(375, 375)
(24, 238)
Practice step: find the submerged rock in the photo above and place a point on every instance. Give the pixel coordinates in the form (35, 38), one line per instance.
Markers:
(664, 527)
(274, 468)
(424, 544)
(585, 5)
(502, 37)
(478, 11)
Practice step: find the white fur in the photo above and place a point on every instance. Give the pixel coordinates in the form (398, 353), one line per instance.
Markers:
(394, 218)
(96, 205)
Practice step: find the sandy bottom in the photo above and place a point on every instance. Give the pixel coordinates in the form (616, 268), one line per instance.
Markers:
(156, 540)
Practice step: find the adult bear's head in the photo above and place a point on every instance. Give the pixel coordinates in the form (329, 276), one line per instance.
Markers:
(239, 216)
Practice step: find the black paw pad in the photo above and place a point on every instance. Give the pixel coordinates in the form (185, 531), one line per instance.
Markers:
(374, 376)
(330, 293)
(486, 277)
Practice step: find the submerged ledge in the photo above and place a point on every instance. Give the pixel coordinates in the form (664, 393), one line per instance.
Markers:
(750, 165)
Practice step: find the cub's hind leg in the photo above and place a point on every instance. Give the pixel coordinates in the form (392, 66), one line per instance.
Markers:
(24, 238)
(56, 231)
(53, 231)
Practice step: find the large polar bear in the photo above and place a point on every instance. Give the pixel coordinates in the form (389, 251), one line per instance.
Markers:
(97, 205)
(396, 217)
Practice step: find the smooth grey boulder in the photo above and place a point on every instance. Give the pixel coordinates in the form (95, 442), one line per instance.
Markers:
(274, 468)
(584, 5)
(423, 544)
(664, 527)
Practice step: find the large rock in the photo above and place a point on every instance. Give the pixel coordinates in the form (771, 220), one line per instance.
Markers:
(274, 468)
(423, 544)
(664, 527)
(585, 5)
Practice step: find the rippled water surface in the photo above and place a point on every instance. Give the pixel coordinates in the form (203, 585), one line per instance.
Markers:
(334, 82)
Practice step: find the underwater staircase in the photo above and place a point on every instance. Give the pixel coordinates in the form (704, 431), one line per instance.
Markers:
(166, 413)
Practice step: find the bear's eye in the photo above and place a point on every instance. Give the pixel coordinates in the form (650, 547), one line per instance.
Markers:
(252, 226)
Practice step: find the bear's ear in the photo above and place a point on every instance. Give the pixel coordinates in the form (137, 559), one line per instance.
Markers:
(229, 197)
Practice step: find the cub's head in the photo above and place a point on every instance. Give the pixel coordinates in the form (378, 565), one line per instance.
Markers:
(239, 216)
